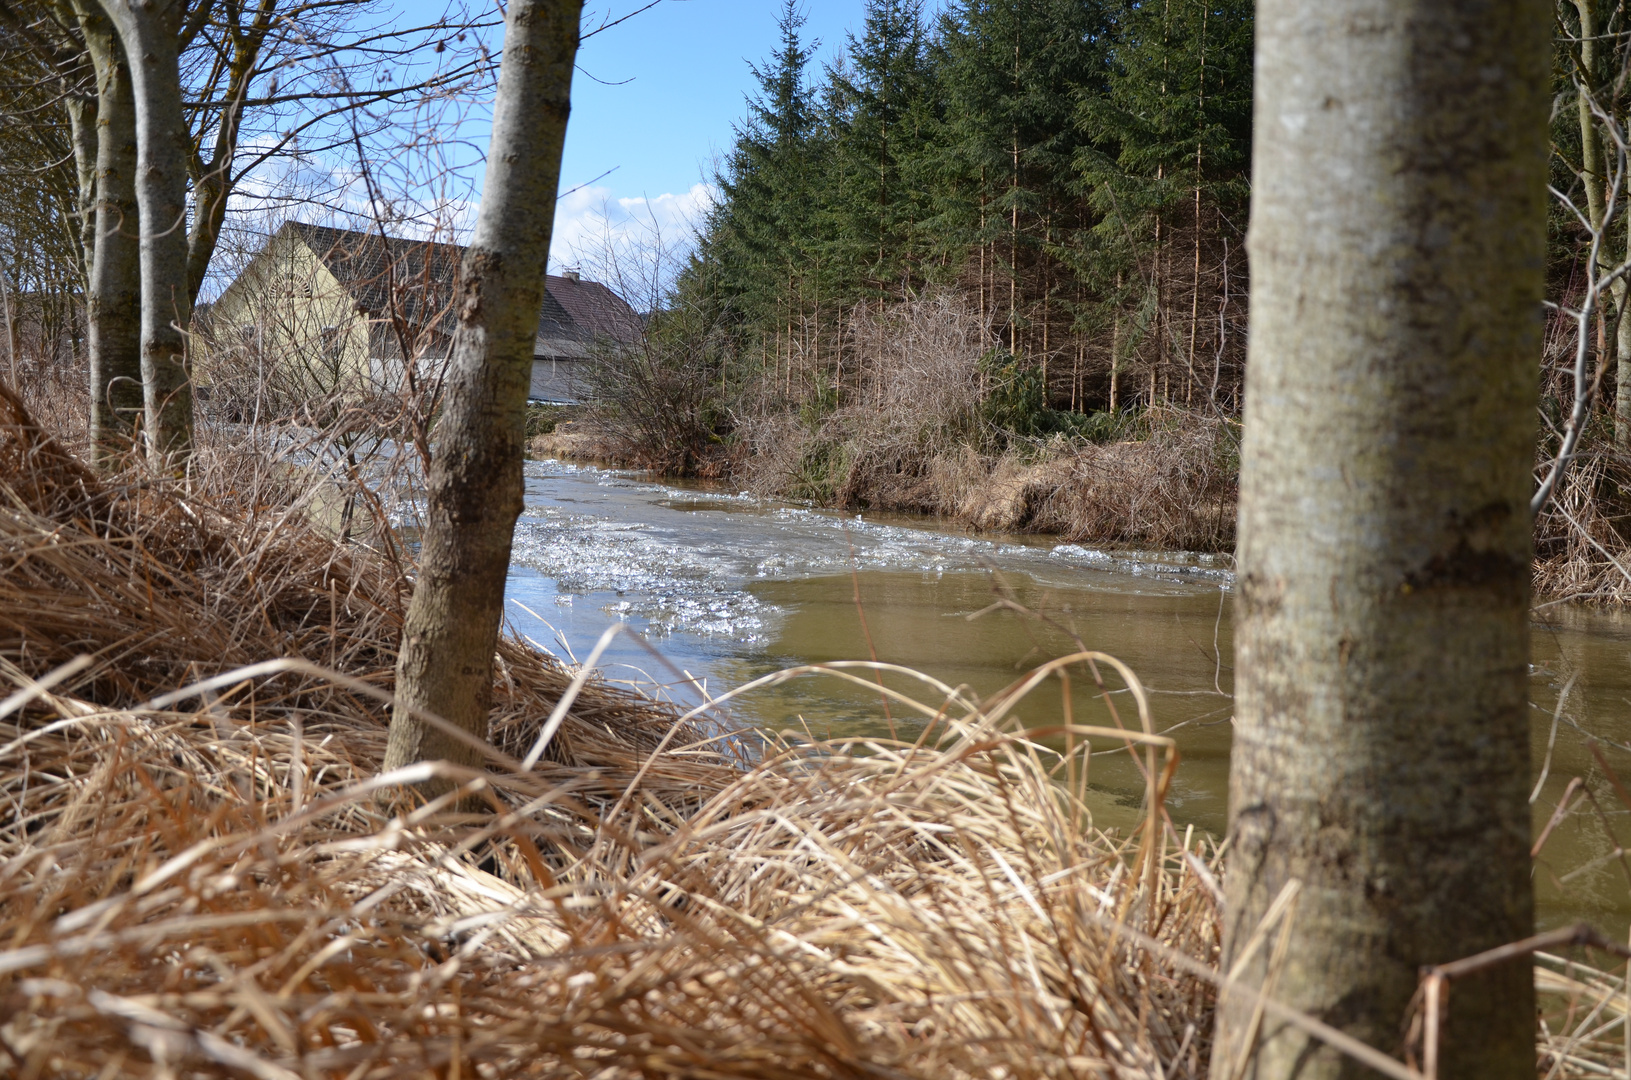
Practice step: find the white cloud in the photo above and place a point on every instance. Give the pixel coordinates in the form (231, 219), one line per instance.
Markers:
(627, 237)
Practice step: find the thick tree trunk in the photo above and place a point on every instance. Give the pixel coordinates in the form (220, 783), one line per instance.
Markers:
(150, 32)
(1381, 751)
(113, 296)
(475, 488)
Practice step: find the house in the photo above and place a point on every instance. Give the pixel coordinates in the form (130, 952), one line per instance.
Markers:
(321, 309)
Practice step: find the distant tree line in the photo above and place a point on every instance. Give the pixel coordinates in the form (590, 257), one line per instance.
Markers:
(1077, 169)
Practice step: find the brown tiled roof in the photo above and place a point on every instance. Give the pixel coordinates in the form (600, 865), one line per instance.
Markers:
(574, 314)
(593, 308)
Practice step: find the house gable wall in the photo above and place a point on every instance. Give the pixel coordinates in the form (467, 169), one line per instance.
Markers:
(289, 313)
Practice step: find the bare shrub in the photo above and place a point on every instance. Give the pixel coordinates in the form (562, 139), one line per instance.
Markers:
(55, 386)
(658, 404)
(870, 436)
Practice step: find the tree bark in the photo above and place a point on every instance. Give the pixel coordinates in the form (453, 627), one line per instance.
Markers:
(81, 110)
(1381, 752)
(213, 180)
(113, 296)
(150, 32)
(1622, 360)
(475, 487)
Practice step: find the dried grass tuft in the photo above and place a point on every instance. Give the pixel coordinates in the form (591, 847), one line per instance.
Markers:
(189, 894)
(1176, 488)
(196, 878)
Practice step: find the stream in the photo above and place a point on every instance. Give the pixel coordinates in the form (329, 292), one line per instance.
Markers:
(728, 587)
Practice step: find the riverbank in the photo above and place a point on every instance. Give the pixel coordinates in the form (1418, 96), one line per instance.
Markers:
(1173, 488)
(199, 878)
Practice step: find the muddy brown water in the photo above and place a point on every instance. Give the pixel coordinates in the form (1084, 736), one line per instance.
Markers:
(728, 588)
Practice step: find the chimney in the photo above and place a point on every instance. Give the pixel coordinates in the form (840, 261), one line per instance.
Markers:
(570, 274)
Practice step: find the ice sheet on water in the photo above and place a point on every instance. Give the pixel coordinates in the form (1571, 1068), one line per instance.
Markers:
(679, 560)
(1178, 565)
(669, 586)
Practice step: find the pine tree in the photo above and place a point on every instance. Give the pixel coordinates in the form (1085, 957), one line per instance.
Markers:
(760, 237)
(1013, 73)
(1167, 145)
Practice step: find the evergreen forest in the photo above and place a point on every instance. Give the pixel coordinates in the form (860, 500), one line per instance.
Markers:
(1075, 171)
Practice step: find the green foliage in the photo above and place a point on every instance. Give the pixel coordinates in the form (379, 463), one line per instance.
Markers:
(1027, 152)
(1015, 405)
(821, 403)
(1014, 400)
(820, 471)
(1045, 162)
(1172, 117)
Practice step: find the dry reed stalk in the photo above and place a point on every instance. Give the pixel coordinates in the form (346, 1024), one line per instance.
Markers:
(196, 878)
(1583, 1018)
(208, 894)
(1581, 551)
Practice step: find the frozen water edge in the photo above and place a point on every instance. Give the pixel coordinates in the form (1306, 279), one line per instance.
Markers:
(678, 561)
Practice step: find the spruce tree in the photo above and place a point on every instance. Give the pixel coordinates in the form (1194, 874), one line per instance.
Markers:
(760, 235)
(1013, 72)
(880, 109)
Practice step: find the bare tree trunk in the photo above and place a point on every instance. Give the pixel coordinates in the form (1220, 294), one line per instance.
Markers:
(1381, 753)
(213, 181)
(81, 109)
(1622, 360)
(11, 331)
(475, 487)
(113, 295)
(150, 31)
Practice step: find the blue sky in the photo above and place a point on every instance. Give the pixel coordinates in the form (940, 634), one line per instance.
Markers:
(654, 103)
(686, 62)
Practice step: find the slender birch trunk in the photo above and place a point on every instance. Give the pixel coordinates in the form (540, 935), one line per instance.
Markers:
(150, 32)
(1381, 753)
(113, 294)
(475, 487)
(81, 109)
(1594, 177)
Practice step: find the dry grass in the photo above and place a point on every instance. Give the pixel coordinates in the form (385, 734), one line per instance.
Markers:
(187, 894)
(1175, 488)
(1582, 1020)
(1581, 551)
(196, 878)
